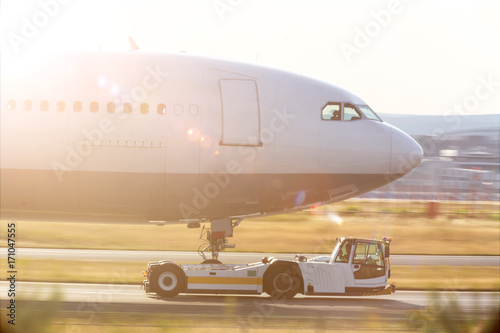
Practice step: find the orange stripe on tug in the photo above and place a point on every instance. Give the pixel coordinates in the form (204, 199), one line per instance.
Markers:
(223, 280)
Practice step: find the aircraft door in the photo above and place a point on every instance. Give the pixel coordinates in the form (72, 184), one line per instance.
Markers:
(368, 264)
(240, 113)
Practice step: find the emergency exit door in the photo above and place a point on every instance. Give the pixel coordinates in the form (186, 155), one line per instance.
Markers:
(240, 113)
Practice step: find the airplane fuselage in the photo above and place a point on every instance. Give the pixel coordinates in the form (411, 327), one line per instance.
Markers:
(137, 137)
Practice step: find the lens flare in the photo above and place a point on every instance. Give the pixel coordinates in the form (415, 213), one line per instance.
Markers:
(193, 134)
(299, 198)
(102, 82)
(205, 141)
(333, 217)
(115, 89)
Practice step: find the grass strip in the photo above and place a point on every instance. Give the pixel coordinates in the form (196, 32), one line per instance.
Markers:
(476, 278)
(300, 233)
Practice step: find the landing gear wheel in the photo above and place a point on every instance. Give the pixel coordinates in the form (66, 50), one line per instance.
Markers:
(168, 280)
(282, 283)
(212, 261)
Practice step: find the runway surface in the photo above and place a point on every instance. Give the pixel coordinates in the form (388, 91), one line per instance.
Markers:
(131, 298)
(232, 257)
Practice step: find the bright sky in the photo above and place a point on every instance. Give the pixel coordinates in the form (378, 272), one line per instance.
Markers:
(408, 57)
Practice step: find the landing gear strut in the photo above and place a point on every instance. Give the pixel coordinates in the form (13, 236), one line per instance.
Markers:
(215, 236)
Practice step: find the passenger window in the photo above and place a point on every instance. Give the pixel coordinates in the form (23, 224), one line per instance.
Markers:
(144, 108)
(27, 105)
(44, 105)
(61, 106)
(178, 109)
(94, 107)
(127, 107)
(193, 110)
(111, 107)
(350, 112)
(77, 106)
(162, 109)
(331, 111)
(11, 105)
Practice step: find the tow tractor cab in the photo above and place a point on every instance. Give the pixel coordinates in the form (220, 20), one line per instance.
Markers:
(356, 267)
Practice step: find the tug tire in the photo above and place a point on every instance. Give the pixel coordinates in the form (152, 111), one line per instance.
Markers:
(168, 280)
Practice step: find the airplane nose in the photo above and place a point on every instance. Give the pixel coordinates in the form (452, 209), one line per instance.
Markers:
(406, 153)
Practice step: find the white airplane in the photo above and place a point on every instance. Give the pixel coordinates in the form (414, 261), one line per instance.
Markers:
(140, 137)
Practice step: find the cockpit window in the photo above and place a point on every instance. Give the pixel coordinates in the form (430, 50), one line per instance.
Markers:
(369, 112)
(335, 111)
(331, 111)
(350, 112)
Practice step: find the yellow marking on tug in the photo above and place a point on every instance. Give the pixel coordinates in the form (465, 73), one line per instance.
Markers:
(223, 280)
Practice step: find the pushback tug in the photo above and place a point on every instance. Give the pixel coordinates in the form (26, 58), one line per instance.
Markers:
(356, 267)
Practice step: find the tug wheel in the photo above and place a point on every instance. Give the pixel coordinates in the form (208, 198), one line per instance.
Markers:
(168, 280)
(283, 283)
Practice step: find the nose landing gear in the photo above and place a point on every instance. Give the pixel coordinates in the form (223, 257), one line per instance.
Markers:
(216, 237)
